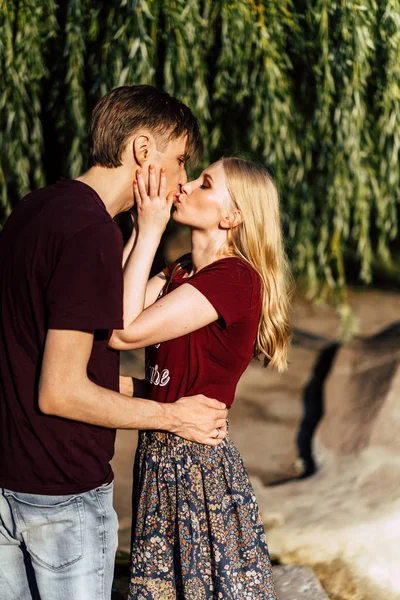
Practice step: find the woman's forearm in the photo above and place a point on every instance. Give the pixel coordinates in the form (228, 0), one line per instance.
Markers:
(129, 246)
(136, 275)
(153, 212)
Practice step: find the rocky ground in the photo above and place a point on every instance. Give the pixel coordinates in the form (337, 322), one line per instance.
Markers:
(263, 424)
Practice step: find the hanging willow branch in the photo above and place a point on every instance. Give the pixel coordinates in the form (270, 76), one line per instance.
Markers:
(125, 53)
(272, 118)
(231, 36)
(185, 59)
(338, 137)
(350, 190)
(76, 28)
(310, 87)
(24, 28)
(387, 154)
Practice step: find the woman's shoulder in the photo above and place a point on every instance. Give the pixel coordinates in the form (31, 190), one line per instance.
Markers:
(231, 270)
(238, 268)
(232, 286)
(230, 274)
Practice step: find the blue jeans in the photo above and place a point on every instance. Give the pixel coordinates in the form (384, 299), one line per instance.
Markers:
(57, 547)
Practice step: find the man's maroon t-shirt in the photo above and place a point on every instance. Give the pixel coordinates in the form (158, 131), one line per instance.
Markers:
(60, 268)
(210, 360)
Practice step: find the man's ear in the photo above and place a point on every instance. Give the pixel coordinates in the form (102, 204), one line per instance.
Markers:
(143, 146)
(231, 221)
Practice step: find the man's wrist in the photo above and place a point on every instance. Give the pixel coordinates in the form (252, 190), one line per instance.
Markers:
(170, 419)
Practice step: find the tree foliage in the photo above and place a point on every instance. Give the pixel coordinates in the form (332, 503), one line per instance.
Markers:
(310, 87)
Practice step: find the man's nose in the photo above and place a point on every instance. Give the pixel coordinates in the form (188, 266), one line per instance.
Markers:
(182, 178)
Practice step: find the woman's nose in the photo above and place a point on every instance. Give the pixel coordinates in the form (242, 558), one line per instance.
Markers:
(188, 187)
(184, 188)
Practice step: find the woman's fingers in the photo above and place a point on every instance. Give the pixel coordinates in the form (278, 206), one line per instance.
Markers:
(212, 441)
(170, 199)
(141, 186)
(136, 194)
(162, 190)
(221, 424)
(153, 189)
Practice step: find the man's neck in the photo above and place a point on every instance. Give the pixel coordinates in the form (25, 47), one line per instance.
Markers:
(112, 185)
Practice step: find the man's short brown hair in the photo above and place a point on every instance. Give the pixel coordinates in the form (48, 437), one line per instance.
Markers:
(126, 109)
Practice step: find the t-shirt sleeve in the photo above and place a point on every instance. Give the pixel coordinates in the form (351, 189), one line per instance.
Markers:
(86, 289)
(232, 286)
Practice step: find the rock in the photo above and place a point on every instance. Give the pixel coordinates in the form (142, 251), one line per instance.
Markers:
(344, 521)
(357, 395)
(297, 583)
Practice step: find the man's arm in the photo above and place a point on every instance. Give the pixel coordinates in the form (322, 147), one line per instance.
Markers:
(66, 391)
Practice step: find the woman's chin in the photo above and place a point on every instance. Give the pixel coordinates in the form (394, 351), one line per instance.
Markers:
(177, 218)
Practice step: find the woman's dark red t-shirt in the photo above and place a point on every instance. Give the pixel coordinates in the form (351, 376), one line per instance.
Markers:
(211, 360)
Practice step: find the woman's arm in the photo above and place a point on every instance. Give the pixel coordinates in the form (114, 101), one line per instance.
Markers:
(169, 317)
(178, 313)
(129, 246)
(153, 289)
(156, 283)
(153, 212)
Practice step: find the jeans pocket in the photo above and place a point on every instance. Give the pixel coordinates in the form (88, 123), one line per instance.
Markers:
(53, 529)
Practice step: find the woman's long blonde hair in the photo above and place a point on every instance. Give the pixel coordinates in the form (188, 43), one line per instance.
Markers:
(259, 241)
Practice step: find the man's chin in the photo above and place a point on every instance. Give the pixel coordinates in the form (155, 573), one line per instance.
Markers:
(127, 207)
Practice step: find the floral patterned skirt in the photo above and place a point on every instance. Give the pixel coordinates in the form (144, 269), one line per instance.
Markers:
(197, 532)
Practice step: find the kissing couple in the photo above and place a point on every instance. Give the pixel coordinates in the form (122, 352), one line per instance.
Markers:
(72, 297)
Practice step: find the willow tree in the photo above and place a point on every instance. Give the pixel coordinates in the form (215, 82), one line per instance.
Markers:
(309, 87)
(24, 29)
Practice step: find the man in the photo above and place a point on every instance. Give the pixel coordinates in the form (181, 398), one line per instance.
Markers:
(61, 296)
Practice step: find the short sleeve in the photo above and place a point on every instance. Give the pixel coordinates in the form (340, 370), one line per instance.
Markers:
(232, 286)
(86, 289)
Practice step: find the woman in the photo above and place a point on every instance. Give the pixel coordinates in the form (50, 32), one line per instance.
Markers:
(197, 532)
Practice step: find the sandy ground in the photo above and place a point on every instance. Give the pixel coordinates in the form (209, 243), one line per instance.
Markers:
(267, 409)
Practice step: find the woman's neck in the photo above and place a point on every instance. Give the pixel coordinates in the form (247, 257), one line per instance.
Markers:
(207, 247)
